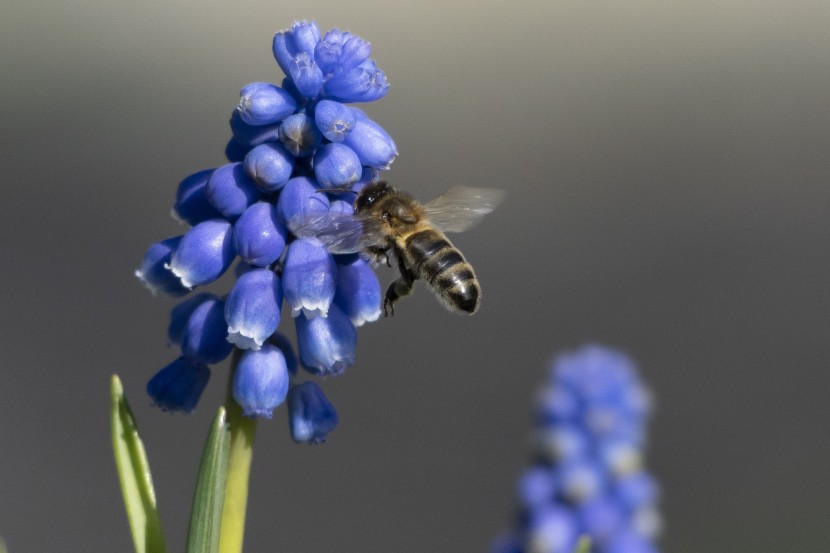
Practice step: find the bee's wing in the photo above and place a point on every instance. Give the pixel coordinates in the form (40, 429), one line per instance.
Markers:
(462, 207)
(339, 232)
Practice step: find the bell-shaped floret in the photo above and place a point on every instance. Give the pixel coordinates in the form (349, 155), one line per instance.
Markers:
(327, 344)
(259, 236)
(299, 200)
(364, 83)
(230, 190)
(336, 166)
(203, 337)
(260, 382)
(373, 145)
(358, 290)
(252, 309)
(270, 166)
(179, 385)
(181, 313)
(204, 253)
(192, 204)
(309, 278)
(250, 136)
(265, 104)
(154, 272)
(334, 119)
(340, 51)
(294, 52)
(300, 135)
(311, 416)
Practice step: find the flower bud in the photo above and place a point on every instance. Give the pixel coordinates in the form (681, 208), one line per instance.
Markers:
(203, 337)
(334, 119)
(252, 309)
(234, 151)
(265, 104)
(269, 165)
(340, 51)
(294, 52)
(192, 205)
(204, 253)
(358, 290)
(373, 145)
(231, 191)
(260, 382)
(300, 199)
(180, 314)
(552, 529)
(154, 272)
(537, 487)
(311, 416)
(179, 385)
(259, 236)
(327, 344)
(249, 136)
(364, 83)
(309, 278)
(582, 479)
(300, 135)
(336, 165)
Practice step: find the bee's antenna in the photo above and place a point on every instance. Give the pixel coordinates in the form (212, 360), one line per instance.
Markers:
(337, 190)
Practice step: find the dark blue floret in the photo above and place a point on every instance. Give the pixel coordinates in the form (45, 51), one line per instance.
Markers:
(192, 204)
(179, 385)
(311, 415)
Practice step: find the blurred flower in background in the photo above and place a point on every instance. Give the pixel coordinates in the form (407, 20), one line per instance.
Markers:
(587, 475)
(290, 141)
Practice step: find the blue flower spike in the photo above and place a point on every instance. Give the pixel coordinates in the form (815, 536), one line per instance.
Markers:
(311, 416)
(297, 152)
(588, 478)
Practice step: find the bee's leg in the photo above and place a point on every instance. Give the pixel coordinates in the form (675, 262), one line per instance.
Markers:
(398, 289)
(377, 255)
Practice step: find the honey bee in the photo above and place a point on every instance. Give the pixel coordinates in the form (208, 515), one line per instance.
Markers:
(388, 222)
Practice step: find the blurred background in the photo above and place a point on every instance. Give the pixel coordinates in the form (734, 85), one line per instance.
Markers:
(667, 168)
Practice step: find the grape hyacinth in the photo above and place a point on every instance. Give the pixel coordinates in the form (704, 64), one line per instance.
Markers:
(292, 143)
(587, 476)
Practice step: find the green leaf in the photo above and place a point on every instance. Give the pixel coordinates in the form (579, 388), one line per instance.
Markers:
(209, 497)
(584, 545)
(134, 475)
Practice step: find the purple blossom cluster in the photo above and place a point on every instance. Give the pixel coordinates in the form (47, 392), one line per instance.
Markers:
(297, 151)
(587, 475)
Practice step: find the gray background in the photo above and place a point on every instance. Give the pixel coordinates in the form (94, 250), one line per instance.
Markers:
(667, 167)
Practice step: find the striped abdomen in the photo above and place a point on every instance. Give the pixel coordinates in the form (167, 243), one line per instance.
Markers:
(434, 259)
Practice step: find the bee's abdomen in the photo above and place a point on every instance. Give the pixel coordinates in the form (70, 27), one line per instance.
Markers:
(441, 264)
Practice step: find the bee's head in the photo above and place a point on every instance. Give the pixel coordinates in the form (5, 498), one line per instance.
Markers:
(370, 194)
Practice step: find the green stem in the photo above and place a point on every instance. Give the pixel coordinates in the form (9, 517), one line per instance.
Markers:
(243, 431)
